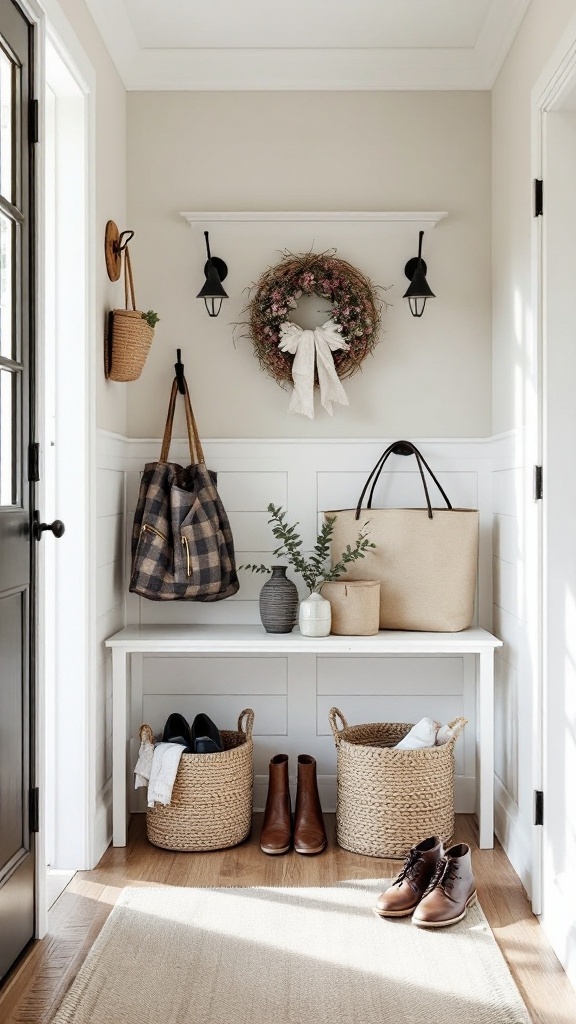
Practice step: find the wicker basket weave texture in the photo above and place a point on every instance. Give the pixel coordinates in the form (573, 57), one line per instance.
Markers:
(388, 800)
(130, 343)
(211, 806)
(130, 335)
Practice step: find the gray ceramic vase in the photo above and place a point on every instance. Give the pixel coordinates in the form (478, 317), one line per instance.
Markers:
(279, 602)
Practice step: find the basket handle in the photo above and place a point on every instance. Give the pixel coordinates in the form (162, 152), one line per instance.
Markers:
(457, 726)
(146, 734)
(246, 726)
(128, 280)
(333, 715)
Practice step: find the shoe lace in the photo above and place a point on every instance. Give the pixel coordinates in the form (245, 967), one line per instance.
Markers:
(444, 876)
(411, 868)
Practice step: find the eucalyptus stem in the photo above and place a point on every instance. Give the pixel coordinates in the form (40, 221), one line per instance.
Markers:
(314, 570)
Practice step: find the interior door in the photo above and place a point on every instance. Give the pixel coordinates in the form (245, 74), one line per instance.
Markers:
(559, 227)
(16, 488)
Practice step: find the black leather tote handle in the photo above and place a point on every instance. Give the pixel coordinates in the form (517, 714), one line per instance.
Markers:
(407, 448)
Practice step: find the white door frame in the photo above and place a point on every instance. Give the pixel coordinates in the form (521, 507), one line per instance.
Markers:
(78, 465)
(557, 78)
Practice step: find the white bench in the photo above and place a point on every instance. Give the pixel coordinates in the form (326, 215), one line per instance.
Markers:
(178, 639)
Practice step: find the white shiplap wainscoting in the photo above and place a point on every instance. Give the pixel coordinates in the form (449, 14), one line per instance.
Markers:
(516, 721)
(291, 695)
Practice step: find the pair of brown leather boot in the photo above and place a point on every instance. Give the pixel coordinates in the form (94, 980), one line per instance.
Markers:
(309, 831)
(435, 886)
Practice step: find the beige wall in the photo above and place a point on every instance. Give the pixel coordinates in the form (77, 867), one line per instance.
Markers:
(315, 151)
(539, 34)
(110, 145)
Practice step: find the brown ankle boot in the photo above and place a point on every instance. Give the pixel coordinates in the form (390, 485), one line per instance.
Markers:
(309, 831)
(451, 891)
(276, 835)
(405, 893)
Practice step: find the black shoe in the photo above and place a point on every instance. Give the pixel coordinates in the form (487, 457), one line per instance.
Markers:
(177, 730)
(206, 738)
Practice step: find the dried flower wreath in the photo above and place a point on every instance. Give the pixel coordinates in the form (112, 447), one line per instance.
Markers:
(356, 310)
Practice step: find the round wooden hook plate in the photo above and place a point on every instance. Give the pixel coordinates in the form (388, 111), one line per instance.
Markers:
(112, 251)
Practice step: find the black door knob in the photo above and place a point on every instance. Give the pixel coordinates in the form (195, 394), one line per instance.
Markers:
(38, 528)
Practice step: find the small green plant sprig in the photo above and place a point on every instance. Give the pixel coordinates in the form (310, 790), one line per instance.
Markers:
(313, 570)
(151, 318)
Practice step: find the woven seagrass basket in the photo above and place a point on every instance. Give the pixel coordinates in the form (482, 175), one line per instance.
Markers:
(388, 800)
(211, 806)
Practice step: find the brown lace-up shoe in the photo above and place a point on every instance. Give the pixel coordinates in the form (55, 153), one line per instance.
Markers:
(309, 830)
(276, 835)
(405, 893)
(451, 891)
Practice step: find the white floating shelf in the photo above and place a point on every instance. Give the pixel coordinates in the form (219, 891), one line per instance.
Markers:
(425, 218)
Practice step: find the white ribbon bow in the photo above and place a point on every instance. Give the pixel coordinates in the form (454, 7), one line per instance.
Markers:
(311, 348)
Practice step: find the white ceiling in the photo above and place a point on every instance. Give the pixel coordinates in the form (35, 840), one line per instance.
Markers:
(308, 44)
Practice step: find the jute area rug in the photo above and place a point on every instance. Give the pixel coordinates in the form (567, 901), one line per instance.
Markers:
(286, 956)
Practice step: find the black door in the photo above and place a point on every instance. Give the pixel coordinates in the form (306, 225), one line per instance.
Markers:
(16, 485)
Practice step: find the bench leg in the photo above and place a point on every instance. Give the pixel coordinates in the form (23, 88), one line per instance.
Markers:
(486, 749)
(119, 741)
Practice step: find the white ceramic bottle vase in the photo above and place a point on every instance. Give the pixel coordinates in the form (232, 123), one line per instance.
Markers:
(315, 617)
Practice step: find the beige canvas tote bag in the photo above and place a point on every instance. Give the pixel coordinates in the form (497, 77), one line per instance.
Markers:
(425, 558)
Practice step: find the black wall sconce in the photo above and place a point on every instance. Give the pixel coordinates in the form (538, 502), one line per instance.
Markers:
(212, 291)
(418, 290)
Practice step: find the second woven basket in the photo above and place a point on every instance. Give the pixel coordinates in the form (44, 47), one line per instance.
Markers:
(388, 800)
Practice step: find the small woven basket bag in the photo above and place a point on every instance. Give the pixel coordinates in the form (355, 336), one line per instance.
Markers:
(388, 800)
(129, 334)
(211, 806)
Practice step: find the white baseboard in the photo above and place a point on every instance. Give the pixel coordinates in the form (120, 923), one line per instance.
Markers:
(512, 834)
(102, 836)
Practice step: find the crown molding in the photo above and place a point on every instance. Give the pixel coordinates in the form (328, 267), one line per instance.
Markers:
(498, 33)
(282, 69)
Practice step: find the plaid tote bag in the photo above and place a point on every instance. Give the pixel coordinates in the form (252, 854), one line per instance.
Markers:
(182, 546)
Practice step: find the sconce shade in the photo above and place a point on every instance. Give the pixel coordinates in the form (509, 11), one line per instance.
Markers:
(418, 290)
(212, 291)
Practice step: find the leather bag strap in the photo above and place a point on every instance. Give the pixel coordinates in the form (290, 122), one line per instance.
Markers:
(375, 474)
(128, 280)
(194, 443)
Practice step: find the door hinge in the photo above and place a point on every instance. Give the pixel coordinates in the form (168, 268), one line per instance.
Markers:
(34, 462)
(538, 197)
(538, 484)
(538, 807)
(34, 810)
(34, 136)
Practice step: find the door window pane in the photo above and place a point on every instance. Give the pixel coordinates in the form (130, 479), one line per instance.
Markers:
(9, 455)
(6, 97)
(6, 287)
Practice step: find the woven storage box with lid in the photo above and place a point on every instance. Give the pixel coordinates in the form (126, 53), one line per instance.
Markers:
(211, 806)
(388, 800)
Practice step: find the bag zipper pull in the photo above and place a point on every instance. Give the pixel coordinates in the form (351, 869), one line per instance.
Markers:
(188, 566)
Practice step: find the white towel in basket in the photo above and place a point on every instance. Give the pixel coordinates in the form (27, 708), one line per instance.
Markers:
(425, 733)
(157, 767)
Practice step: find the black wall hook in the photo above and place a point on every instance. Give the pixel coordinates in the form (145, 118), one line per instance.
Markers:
(179, 368)
(402, 448)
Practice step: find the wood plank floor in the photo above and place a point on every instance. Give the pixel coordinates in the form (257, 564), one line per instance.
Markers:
(36, 986)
